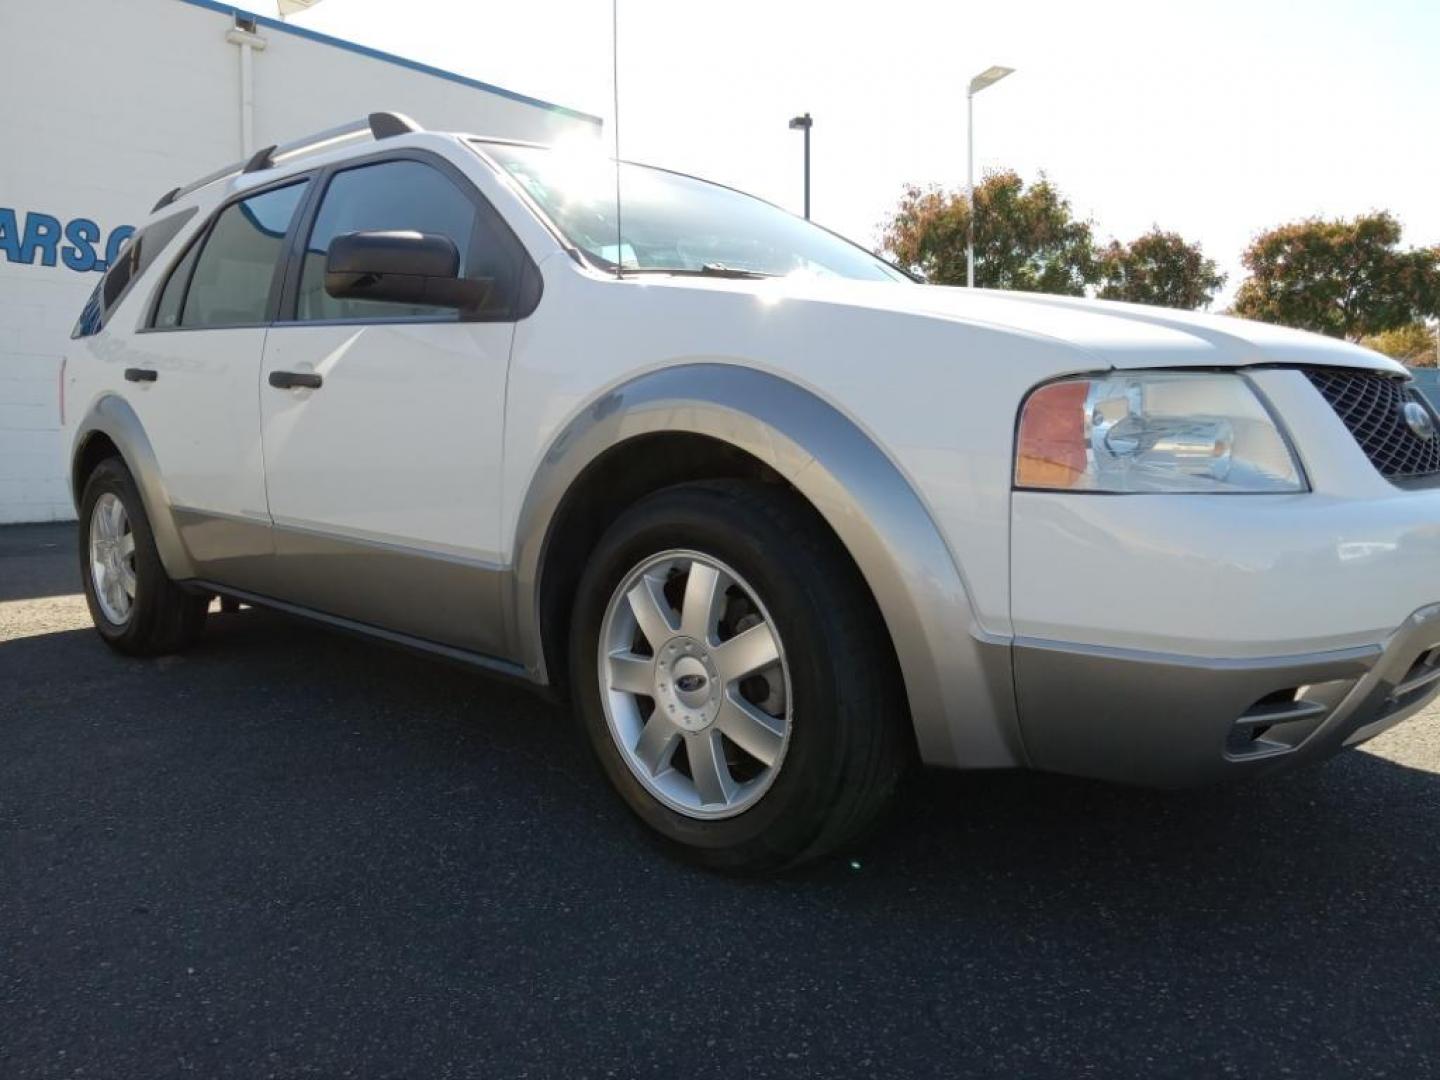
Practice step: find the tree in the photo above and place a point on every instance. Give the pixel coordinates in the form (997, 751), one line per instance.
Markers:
(1026, 238)
(1344, 277)
(1414, 344)
(1159, 268)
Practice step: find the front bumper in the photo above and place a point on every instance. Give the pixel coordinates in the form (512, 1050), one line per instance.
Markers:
(1176, 721)
(1175, 639)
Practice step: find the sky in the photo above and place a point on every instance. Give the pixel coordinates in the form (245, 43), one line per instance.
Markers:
(1214, 119)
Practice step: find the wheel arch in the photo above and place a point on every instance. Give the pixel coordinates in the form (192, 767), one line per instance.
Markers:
(958, 680)
(109, 428)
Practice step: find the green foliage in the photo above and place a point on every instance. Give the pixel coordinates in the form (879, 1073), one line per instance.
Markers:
(1344, 277)
(1414, 344)
(1159, 268)
(1026, 238)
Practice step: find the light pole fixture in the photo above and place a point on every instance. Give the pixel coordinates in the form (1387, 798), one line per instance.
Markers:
(989, 77)
(294, 7)
(805, 123)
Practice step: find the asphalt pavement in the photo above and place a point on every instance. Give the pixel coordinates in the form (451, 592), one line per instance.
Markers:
(291, 853)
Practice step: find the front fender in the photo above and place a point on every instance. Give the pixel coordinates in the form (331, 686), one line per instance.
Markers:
(112, 416)
(957, 678)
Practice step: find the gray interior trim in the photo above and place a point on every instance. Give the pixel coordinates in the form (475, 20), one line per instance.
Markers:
(958, 680)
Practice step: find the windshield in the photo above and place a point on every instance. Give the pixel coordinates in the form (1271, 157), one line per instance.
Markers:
(674, 223)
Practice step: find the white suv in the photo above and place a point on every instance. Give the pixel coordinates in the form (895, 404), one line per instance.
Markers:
(779, 521)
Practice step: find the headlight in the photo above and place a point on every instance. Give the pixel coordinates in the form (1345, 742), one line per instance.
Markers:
(1150, 432)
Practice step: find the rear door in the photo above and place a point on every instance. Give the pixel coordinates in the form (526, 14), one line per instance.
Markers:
(383, 482)
(204, 341)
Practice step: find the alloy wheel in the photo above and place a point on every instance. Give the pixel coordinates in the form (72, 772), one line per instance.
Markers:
(112, 558)
(694, 683)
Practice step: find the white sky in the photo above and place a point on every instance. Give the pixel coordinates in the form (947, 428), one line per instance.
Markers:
(1215, 119)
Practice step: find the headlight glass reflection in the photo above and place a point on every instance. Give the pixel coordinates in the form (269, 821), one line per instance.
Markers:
(1153, 432)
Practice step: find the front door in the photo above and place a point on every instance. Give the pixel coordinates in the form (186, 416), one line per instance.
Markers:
(383, 481)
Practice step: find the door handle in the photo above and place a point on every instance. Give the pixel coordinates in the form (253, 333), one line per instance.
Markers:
(140, 374)
(295, 380)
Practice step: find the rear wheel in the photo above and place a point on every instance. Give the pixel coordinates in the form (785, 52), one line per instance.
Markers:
(734, 677)
(135, 605)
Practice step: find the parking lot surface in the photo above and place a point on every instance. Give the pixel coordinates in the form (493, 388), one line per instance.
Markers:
(291, 853)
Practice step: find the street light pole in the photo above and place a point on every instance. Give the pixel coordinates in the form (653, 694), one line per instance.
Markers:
(805, 123)
(989, 77)
(970, 189)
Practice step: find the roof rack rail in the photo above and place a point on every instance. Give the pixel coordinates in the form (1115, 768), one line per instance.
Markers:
(378, 125)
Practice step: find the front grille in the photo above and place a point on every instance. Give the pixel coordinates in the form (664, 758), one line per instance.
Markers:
(1371, 406)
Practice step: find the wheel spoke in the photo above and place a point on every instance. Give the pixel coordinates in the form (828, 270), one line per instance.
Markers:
(700, 609)
(657, 744)
(116, 595)
(652, 610)
(127, 545)
(116, 513)
(127, 581)
(708, 769)
(632, 674)
(755, 731)
(747, 652)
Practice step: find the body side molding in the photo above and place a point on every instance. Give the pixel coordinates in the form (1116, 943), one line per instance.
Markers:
(113, 417)
(958, 679)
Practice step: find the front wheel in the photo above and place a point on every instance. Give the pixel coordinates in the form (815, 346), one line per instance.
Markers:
(734, 678)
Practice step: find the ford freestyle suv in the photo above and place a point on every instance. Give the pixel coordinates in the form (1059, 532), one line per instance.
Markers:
(778, 520)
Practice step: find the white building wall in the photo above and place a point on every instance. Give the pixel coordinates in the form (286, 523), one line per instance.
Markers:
(107, 104)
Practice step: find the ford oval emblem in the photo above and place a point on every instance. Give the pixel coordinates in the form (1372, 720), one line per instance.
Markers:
(689, 684)
(1418, 420)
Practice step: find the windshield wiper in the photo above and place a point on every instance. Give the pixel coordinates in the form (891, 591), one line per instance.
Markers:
(719, 270)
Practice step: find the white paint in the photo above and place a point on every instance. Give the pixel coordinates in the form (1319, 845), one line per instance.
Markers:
(437, 393)
(103, 107)
(934, 375)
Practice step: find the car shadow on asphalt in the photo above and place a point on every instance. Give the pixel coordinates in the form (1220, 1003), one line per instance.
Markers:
(37, 561)
(1274, 841)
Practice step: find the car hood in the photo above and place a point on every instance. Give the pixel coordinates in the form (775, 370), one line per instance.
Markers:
(1113, 334)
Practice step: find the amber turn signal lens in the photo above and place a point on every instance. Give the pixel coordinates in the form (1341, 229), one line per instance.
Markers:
(1051, 451)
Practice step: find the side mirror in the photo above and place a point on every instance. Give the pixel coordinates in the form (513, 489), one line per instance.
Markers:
(402, 268)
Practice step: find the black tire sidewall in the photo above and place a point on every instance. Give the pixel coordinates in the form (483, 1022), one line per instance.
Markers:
(793, 590)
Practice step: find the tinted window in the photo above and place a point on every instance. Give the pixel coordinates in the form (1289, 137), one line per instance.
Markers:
(403, 195)
(133, 260)
(167, 311)
(236, 265)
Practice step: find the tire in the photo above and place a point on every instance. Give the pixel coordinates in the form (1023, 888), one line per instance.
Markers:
(160, 617)
(822, 763)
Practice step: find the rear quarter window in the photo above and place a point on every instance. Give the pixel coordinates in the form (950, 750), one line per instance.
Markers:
(134, 259)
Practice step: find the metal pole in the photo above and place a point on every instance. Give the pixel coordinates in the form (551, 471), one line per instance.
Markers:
(244, 35)
(615, 82)
(970, 190)
(804, 123)
(807, 168)
(247, 101)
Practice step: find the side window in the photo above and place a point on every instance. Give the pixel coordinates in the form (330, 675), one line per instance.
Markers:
(167, 311)
(404, 195)
(236, 263)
